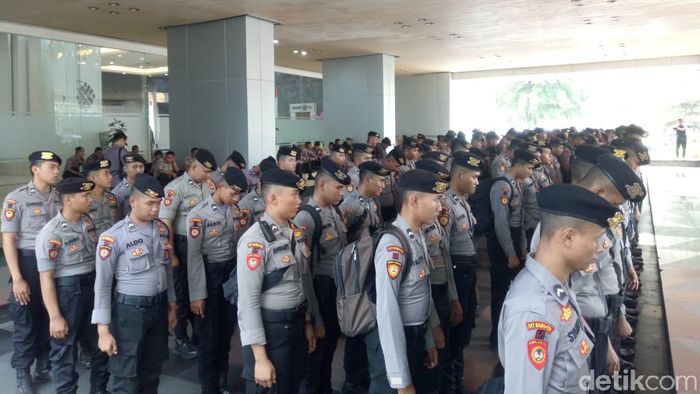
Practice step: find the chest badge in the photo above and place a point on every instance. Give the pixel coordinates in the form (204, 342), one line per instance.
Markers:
(443, 219)
(537, 351)
(566, 313)
(243, 221)
(328, 236)
(584, 348)
(286, 259)
(36, 211)
(74, 248)
(213, 233)
(137, 252)
(193, 201)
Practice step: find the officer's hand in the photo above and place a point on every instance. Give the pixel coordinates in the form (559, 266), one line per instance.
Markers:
(633, 283)
(320, 331)
(613, 361)
(265, 373)
(21, 291)
(172, 316)
(197, 308)
(431, 358)
(623, 327)
(174, 261)
(408, 390)
(107, 344)
(513, 262)
(456, 315)
(58, 328)
(439, 337)
(310, 337)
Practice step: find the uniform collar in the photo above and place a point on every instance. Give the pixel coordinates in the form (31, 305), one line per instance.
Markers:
(188, 179)
(132, 227)
(33, 190)
(216, 207)
(401, 223)
(549, 281)
(273, 224)
(64, 224)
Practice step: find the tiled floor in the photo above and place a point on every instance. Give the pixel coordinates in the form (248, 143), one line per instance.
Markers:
(676, 216)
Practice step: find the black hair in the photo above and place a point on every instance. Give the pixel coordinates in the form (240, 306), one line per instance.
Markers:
(550, 223)
(170, 153)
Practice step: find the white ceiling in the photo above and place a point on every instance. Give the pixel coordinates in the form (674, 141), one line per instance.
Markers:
(486, 34)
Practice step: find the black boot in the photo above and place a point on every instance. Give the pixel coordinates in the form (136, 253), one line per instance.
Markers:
(24, 382)
(223, 388)
(42, 371)
(185, 349)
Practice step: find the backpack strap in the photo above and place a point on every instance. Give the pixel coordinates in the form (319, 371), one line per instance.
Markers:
(355, 225)
(273, 278)
(316, 246)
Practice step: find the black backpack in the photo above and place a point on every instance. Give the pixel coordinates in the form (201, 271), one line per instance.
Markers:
(354, 276)
(270, 280)
(480, 204)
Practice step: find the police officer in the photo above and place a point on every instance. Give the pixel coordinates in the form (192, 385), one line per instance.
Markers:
(389, 197)
(252, 205)
(211, 247)
(65, 250)
(544, 343)
(360, 154)
(133, 164)
(502, 162)
(410, 151)
(403, 286)
(287, 158)
(507, 244)
(25, 211)
(442, 284)
(272, 291)
(181, 195)
(531, 185)
(459, 223)
(322, 225)
(134, 254)
(338, 154)
(104, 210)
(360, 210)
(373, 142)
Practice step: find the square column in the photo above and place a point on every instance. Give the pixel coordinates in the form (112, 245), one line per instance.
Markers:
(222, 87)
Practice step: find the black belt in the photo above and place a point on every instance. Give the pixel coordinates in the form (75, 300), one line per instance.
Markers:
(463, 259)
(438, 289)
(229, 261)
(27, 252)
(180, 238)
(82, 279)
(284, 315)
(142, 300)
(418, 327)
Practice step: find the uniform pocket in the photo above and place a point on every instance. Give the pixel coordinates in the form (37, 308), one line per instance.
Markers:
(37, 217)
(138, 260)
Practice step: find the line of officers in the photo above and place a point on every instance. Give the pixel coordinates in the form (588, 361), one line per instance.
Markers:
(142, 260)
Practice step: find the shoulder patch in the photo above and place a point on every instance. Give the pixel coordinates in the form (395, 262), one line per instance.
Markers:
(9, 213)
(393, 268)
(540, 325)
(395, 248)
(537, 352)
(106, 239)
(255, 245)
(253, 261)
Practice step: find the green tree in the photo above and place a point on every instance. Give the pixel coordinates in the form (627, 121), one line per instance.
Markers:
(532, 102)
(689, 111)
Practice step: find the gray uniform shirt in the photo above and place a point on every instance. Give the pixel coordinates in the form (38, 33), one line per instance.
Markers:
(441, 273)
(506, 203)
(66, 248)
(389, 195)
(258, 257)
(105, 213)
(252, 208)
(543, 342)
(460, 224)
(116, 156)
(211, 235)
(400, 303)
(500, 165)
(181, 195)
(358, 209)
(26, 211)
(122, 192)
(333, 238)
(531, 211)
(138, 257)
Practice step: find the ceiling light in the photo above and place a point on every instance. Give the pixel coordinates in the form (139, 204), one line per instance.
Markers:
(275, 41)
(141, 66)
(114, 12)
(113, 4)
(610, 1)
(429, 23)
(405, 26)
(119, 55)
(111, 63)
(93, 8)
(621, 45)
(579, 4)
(421, 20)
(303, 53)
(398, 23)
(453, 34)
(497, 55)
(295, 51)
(134, 9)
(166, 74)
(142, 59)
(123, 73)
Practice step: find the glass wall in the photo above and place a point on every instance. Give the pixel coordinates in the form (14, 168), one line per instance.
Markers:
(60, 95)
(299, 109)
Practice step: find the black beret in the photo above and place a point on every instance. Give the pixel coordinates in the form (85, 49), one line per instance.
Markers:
(149, 186)
(469, 161)
(268, 163)
(478, 135)
(590, 153)
(461, 135)
(533, 148)
(429, 142)
(386, 141)
(373, 134)
(639, 148)
(579, 203)
(119, 136)
(397, 155)
(515, 144)
(435, 168)
(95, 165)
(237, 158)
(422, 181)
(205, 158)
(544, 145)
(44, 155)
(360, 147)
(623, 177)
(133, 158)
(633, 129)
(374, 168)
(236, 179)
(287, 151)
(420, 136)
(450, 134)
(74, 185)
(437, 156)
(619, 153)
(522, 155)
(491, 135)
(440, 138)
(340, 148)
(556, 141)
(409, 142)
(335, 171)
(280, 177)
(459, 142)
